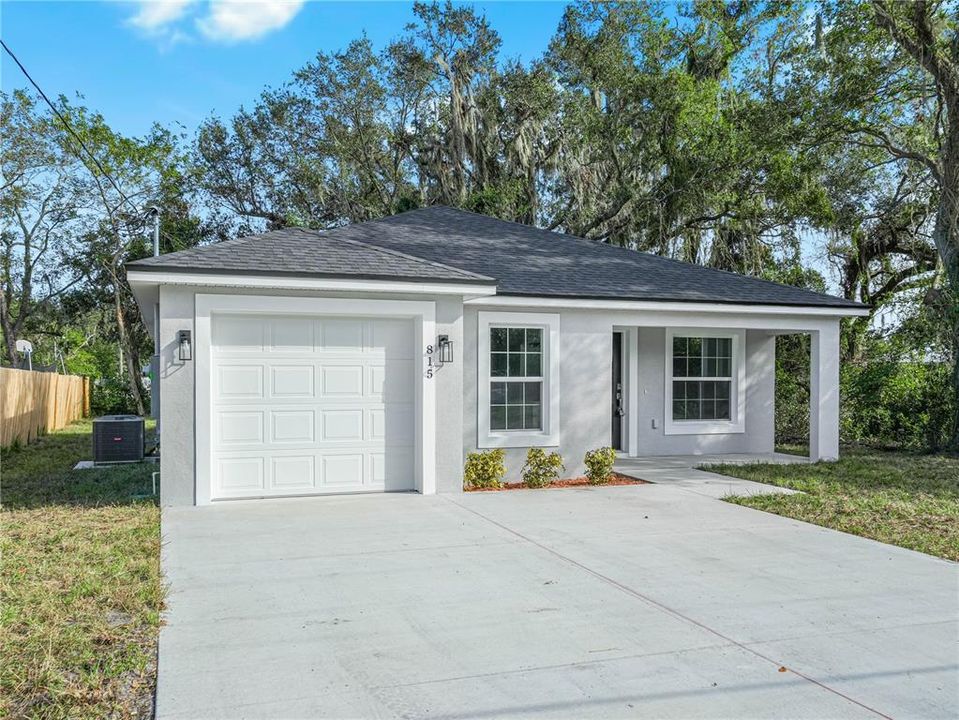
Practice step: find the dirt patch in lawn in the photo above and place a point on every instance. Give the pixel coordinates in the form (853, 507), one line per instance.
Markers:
(615, 479)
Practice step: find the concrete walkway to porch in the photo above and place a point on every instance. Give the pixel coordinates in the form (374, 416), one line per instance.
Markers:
(681, 471)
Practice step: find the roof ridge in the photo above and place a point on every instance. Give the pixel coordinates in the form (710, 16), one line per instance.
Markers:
(557, 233)
(407, 256)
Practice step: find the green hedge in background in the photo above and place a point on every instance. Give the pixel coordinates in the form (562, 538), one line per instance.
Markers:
(111, 396)
(792, 390)
(885, 402)
(896, 404)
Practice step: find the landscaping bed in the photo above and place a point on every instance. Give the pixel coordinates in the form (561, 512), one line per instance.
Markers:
(615, 479)
(898, 498)
(80, 583)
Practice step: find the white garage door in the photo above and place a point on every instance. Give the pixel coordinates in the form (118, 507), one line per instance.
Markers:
(307, 405)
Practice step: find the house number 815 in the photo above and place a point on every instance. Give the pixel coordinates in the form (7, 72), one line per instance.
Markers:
(429, 361)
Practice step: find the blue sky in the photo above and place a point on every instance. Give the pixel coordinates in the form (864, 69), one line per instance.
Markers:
(178, 61)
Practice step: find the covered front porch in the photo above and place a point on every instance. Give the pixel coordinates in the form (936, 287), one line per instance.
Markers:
(702, 388)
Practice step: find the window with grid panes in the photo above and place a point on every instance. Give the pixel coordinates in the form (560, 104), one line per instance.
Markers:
(516, 378)
(702, 378)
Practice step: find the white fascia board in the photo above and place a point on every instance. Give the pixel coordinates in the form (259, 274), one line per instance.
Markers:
(301, 283)
(510, 301)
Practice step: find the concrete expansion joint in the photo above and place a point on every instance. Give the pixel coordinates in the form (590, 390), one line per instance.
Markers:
(852, 631)
(561, 666)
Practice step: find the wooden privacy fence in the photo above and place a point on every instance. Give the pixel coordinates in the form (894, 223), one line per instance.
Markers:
(32, 403)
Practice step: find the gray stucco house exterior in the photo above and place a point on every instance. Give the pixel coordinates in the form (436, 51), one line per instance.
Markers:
(374, 356)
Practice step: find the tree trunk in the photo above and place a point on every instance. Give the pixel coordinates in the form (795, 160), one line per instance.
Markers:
(129, 352)
(946, 238)
(9, 334)
(920, 42)
(855, 332)
(954, 440)
(952, 318)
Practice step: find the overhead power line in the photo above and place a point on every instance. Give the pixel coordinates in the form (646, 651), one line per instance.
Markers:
(72, 132)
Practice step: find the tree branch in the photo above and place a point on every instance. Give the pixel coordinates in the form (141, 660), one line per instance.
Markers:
(923, 48)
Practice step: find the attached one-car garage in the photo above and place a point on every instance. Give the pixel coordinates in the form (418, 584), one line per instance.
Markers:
(311, 404)
(312, 396)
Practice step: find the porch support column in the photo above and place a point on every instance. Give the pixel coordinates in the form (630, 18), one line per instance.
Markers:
(824, 393)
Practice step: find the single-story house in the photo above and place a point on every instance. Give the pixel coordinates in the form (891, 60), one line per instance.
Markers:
(373, 357)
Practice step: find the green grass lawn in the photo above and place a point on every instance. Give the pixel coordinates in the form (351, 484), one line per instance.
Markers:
(793, 449)
(80, 587)
(906, 500)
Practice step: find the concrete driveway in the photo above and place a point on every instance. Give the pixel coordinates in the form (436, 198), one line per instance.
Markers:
(636, 601)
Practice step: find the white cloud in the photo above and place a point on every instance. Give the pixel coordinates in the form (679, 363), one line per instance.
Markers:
(235, 20)
(222, 20)
(154, 15)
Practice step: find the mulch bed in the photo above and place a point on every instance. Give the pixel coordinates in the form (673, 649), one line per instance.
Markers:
(615, 479)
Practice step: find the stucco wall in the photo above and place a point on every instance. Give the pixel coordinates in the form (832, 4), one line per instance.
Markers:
(760, 388)
(177, 397)
(177, 449)
(585, 386)
(585, 352)
(449, 399)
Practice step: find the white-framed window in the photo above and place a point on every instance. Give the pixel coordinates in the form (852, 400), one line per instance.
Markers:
(516, 378)
(518, 359)
(705, 381)
(702, 377)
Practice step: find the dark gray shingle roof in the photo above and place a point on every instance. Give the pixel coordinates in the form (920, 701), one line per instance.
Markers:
(459, 245)
(296, 251)
(530, 261)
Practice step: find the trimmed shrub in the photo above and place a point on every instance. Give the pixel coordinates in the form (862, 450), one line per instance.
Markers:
(484, 469)
(541, 468)
(599, 465)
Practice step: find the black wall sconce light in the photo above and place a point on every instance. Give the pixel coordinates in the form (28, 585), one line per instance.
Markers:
(185, 350)
(446, 349)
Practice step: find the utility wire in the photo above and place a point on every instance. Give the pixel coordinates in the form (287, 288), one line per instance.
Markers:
(73, 132)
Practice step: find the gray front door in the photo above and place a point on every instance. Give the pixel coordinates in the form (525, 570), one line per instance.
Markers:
(617, 392)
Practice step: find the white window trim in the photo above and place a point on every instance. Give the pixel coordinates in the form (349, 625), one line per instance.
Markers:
(423, 314)
(737, 393)
(549, 435)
